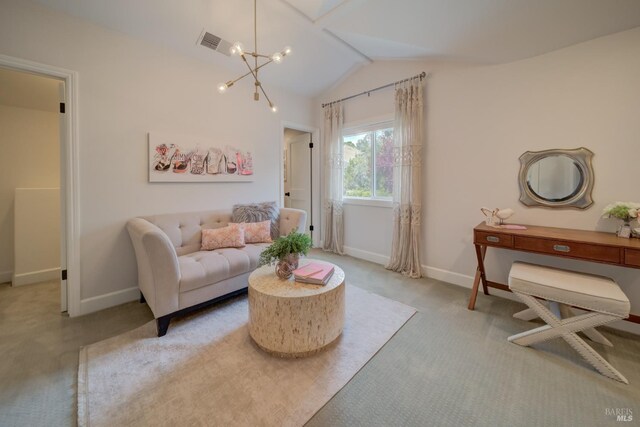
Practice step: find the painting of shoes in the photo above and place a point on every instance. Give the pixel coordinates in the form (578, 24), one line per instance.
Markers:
(180, 162)
(216, 159)
(198, 161)
(246, 163)
(162, 166)
(180, 167)
(194, 159)
(163, 156)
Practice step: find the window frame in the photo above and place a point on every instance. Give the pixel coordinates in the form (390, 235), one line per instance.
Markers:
(366, 127)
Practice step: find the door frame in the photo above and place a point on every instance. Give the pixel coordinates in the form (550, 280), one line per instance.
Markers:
(315, 176)
(69, 170)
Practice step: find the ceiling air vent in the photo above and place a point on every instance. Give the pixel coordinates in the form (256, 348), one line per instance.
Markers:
(214, 42)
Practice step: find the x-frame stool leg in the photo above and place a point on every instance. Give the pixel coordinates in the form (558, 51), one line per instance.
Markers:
(529, 314)
(566, 329)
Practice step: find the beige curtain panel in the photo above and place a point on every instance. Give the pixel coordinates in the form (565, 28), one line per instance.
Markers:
(407, 175)
(333, 229)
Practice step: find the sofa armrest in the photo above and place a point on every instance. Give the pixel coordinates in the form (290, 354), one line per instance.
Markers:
(292, 219)
(158, 269)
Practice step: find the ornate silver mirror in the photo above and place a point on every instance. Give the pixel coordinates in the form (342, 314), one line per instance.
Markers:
(556, 178)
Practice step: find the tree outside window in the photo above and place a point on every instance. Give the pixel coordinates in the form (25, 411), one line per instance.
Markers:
(368, 162)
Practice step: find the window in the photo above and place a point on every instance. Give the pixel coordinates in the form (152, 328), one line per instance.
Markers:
(368, 162)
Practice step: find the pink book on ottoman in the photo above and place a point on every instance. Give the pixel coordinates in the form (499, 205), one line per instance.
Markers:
(315, 273)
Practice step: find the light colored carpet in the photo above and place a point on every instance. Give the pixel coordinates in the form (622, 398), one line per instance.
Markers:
(447, 366)
(207, 371)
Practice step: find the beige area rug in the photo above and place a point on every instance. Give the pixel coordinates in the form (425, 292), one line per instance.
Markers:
(208, 371)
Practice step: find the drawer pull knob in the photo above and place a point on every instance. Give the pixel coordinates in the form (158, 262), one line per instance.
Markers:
(493, 239)
(561, 248)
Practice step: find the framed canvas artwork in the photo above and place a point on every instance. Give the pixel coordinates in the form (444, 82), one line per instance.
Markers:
(192, 159)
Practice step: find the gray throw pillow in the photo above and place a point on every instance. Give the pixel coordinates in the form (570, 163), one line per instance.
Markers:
(258, 212)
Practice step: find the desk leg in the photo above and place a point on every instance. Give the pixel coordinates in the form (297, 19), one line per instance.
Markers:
(480, 253)
(483, 274)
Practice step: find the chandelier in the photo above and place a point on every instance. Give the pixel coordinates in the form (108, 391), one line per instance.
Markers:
(238, 49)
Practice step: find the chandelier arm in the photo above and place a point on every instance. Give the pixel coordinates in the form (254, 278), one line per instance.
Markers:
(251, 70)
(254, 72)
(240, 78)
(266, 63)
(255, 76)
(266, 96)
(246, 74)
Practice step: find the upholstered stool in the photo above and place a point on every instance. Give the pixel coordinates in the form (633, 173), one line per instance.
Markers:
(601, 296)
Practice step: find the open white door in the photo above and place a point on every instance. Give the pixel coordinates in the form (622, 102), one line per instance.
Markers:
(63, 204)
(298, 180)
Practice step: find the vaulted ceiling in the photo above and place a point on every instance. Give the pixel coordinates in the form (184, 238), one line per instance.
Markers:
(331, 38)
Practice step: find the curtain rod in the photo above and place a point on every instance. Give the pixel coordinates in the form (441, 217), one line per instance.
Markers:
(421, 76)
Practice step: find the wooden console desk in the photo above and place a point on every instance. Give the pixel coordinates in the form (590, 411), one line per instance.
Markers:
(594, 246)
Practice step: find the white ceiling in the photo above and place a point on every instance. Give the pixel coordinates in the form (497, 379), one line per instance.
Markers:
(330, 38)
(25, 90)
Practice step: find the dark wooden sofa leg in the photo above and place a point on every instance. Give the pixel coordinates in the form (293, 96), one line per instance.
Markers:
(163, 324)
(142, 300)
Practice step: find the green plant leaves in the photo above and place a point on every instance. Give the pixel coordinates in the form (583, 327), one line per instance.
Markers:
(293, 243)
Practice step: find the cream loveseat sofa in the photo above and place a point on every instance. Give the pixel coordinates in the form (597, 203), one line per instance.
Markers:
(175, 277)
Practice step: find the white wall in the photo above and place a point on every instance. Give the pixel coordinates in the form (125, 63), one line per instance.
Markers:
(127, 88)
(37, 235)
(480, 119)
(30, 152)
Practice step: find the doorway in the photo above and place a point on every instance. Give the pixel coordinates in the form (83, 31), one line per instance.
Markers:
(32, 196)
(300, 167)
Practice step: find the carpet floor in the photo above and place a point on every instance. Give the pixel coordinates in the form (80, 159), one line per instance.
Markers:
(208, 372)
(449, 366)
(446, 366)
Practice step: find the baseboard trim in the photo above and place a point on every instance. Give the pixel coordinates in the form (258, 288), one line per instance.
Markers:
(90, 305)
(448, 276)
(6, 276)
(366, 255)
(431, 272)
(35, 276)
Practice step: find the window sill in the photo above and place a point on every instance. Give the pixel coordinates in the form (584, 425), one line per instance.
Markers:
(367, 202)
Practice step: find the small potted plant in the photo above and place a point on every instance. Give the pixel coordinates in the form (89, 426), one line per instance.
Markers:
(626, 211)
(286, 250)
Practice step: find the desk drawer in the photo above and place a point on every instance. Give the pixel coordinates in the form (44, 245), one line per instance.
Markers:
(569, 249)
(632, 257)
(493, 239)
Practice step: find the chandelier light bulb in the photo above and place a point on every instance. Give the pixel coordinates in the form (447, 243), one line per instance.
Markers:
(222, 87)
(287, 51)
(237, 49)
(277, 57)
(273, 108)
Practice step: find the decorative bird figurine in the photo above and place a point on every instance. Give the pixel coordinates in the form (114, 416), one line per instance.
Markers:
(496, 217)
(504, 214)
(490, 214)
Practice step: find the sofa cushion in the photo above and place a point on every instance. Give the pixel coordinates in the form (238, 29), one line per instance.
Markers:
(256, 232)
(185, 229)
(231, 236)
(258, 212)
(204, 268)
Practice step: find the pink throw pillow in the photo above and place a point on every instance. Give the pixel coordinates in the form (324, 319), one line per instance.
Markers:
(231, 236)
(256, 232)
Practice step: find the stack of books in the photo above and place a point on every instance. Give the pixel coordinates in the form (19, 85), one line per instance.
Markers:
(314, 272)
